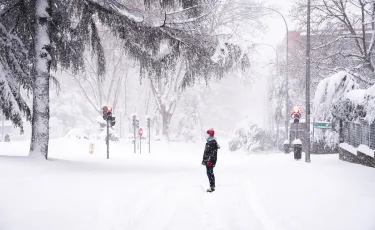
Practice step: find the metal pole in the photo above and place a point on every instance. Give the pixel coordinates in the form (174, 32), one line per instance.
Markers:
(286, 73)
(297, 130)
(120, 125)
(307, 155)
(277, 69)
(107, 138)
(286, 70)
(287, 82)
(277, 133)
(140, 144)
(149, 139)
(135, 141)
(313, 134)
(2, 127)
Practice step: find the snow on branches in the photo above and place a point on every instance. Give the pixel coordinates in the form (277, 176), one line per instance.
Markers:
(329, 91)
(14, 73)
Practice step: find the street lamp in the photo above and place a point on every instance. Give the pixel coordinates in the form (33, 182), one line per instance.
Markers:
(277, 73)
(286, 70)
(307, 154)
(121, 123)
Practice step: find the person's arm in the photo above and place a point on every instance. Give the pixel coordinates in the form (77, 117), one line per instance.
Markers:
(205, 155)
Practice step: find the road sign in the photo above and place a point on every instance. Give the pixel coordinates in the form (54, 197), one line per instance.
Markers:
(323, 125)
(140, 132)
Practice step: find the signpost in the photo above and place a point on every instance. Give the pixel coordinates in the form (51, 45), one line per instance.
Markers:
(149, 133)
(322, 125)
(135, 137)
(140, 132)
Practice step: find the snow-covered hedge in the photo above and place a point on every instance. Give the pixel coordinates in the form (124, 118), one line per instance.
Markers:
(251, 138)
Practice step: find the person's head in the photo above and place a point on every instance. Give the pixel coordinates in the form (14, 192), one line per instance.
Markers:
(210, 133)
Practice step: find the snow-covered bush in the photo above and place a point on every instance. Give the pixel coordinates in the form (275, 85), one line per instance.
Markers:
(369, 104)
(186, 134)
(336, 98)
(112, 135)
(77, 134)
(329, 91)
(251, 138)
(350, 106)
(102, 133)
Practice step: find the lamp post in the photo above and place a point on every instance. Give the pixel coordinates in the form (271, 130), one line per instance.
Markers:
(308, 48)
(277, 73)
(2, 127)
(120, 123)
(286, 69)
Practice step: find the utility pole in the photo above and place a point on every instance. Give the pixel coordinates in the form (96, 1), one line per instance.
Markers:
(120, 123)
(108, 120)
(308, 47)
(134, 126)
(2, 127)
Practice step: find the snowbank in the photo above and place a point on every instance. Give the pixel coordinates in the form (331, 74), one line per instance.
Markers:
(348, 148)
(361, 148)
(78, 190)
(366, 150)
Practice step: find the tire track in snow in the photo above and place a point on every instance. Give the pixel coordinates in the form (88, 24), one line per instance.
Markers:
(121, 212)
(156, 212)
(259, 210)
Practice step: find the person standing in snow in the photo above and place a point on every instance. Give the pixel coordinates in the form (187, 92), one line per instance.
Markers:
(210, 157)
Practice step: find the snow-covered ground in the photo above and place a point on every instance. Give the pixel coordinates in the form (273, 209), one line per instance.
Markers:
(165, 190)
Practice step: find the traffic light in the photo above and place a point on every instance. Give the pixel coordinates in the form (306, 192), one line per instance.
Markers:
(137, 123)
(113, 121)
(134, 120)
(107, 112)
(148, 122)
(296, 115)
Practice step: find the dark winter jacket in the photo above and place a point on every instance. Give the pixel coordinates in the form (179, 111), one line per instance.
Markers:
(210, 152)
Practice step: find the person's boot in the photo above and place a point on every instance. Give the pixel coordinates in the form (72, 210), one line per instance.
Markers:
(211, 189)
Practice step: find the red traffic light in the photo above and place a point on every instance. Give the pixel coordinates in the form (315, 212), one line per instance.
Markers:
(107, 112)
(296, 115)
(108, 108)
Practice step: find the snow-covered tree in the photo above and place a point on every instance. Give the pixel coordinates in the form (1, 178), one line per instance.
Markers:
(53, 33)
(56, 33)
(14, 77)
(343, 36)
(329, 91)
(330, 105)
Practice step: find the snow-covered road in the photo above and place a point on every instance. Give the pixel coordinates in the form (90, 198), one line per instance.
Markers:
(165, 190)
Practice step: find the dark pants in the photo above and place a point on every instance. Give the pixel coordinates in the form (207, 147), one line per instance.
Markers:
(211, 176)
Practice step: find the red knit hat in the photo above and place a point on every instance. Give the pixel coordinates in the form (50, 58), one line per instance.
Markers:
(211, 132)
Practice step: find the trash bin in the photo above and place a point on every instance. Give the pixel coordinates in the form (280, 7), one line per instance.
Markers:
(297, 149)
(286, 147)
(6, 138)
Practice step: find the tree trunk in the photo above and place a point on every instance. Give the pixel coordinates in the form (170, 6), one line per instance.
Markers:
(40, 120)
(166, 122)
